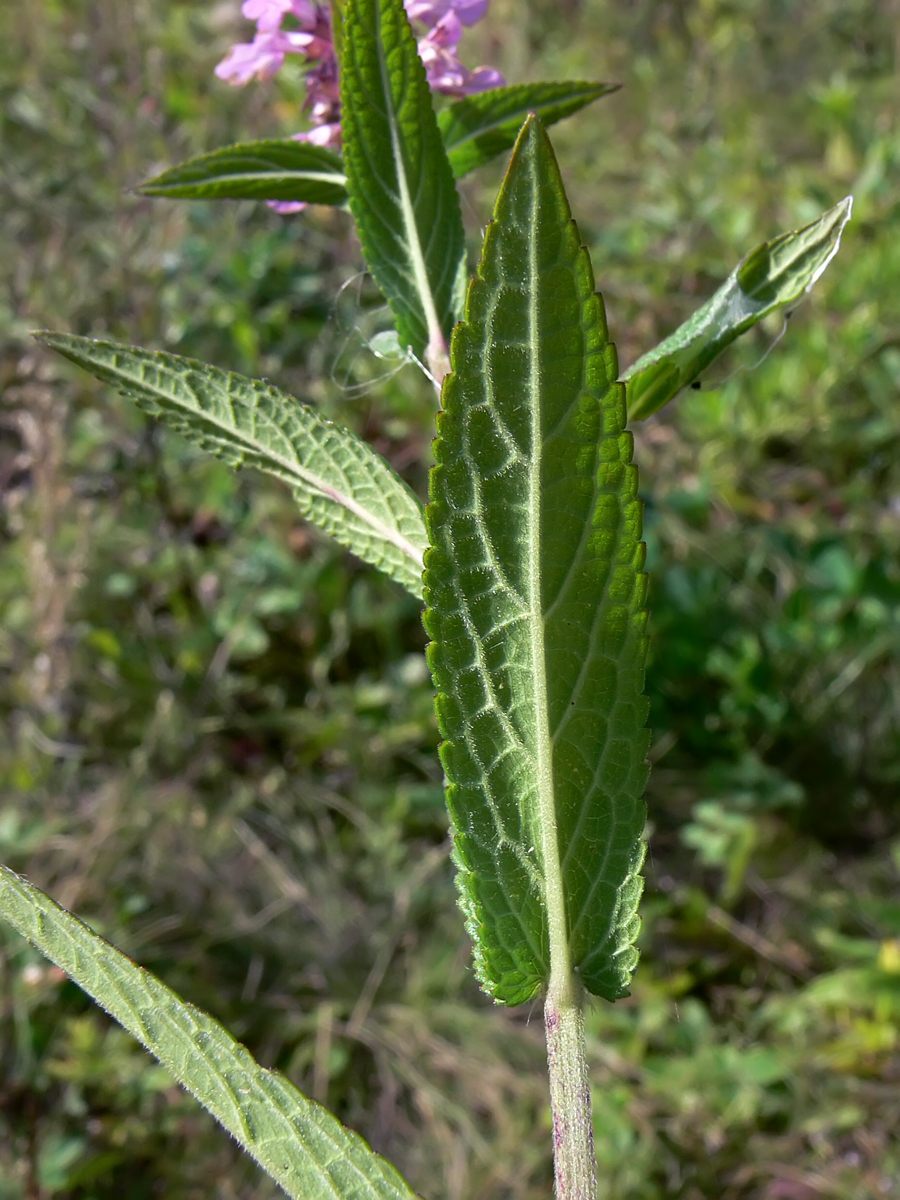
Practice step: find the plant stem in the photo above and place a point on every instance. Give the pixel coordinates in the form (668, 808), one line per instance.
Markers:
(574, 1165)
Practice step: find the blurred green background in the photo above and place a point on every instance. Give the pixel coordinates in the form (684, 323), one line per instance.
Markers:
(218, 744)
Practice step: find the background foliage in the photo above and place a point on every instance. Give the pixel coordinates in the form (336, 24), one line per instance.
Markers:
(217, 740)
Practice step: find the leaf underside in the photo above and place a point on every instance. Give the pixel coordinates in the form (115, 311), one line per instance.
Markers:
(401, 188)
(301, 1145)
(340, 483)
(774, 275)
(536, 602)
(272, 169)
(478, 128)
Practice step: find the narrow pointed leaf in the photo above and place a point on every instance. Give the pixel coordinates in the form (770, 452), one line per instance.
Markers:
(273, 169)
(772, 276)
(339, 482)
(299, 1143)
(401, 187)
(535, 605)
(478, 128)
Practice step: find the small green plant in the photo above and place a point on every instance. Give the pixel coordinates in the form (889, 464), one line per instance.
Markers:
(528, 555)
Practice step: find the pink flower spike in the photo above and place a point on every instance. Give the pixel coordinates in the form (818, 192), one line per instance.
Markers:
(306, 13)
(309, 45)
(285, 207)
(322, 135)
(482, 79)
(311, 38)
(268, 14)
(469, 11)
(263, 58)
(446, 33)
(429, 12)
(444, 72)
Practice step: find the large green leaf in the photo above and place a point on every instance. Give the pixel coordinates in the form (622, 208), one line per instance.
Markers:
(772, 276)
(340, 483)
(301, 1145)
(273, 169)
(478, 128)
(401, 187)
(535, 605)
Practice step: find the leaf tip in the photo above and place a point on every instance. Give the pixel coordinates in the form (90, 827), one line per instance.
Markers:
(842, 211)
(49, 338)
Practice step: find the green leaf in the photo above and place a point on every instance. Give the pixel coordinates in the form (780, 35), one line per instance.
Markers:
(775, 274)
(478, 128)
(337, 27)
(535, 606)
(401, 187)
(301, 1145)
(273, 169)
(340, 483)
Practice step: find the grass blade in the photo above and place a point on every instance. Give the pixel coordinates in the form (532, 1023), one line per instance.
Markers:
(272, 169)
(401, 187)
(301, 1145)
(772, 276)
(535, 606)
(339, 482)
(478, 128)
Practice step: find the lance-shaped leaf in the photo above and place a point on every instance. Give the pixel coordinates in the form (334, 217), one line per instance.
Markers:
(478, 128)
(339, 482)
(273, 169)
(535, 605)
(401, 187)
(299, 1143)
(772, 276)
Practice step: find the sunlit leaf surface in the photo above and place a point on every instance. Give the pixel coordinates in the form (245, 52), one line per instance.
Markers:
(535, 598)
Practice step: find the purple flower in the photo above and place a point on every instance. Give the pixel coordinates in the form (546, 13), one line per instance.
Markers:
(286, 207)
(263, 58)
(483, 79)
(308, 33)
(268, 14)
(322, 135)
(429, 12)
(437, 49)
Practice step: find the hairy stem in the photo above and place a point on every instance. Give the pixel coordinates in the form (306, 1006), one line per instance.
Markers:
(574, 1164)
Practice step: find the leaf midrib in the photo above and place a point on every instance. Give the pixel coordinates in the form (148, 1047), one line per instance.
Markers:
(262, 176)
(233, 433)
(554, 893)
(414, 245)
